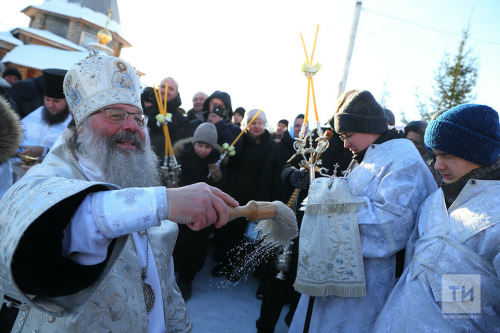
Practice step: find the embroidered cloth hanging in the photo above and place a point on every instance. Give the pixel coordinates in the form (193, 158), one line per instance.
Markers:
(330, 258)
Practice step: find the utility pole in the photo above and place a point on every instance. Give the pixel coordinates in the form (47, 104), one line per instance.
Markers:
(357, 12)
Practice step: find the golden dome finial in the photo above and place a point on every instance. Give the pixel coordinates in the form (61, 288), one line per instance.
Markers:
(104, 35)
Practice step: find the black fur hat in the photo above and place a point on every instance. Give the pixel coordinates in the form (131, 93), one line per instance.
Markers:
(11, 133)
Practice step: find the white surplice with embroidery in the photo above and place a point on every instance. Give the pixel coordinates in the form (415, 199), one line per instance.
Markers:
(116, 301)
(393, 181)
(465, 239)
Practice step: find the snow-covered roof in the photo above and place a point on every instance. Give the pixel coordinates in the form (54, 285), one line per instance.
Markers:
(53, 37)
(42, 57)
(6, 36)
(76, 10)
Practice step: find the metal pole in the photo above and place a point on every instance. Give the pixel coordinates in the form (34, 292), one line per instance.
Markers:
(354, 28)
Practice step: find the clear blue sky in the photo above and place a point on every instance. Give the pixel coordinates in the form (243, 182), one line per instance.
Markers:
(253, 51)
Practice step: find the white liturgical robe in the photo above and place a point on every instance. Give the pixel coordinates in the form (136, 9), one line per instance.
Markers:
(97, 232)
(393, 181)
(37, 132)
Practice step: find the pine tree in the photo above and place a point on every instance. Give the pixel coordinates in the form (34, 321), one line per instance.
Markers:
(404, 120)
(384, 98)
(455, 81)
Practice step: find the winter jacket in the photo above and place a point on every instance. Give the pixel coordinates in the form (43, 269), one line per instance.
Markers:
(191, 247)
(195, 169)
(245, 168)
(271, 186)
(192, 115)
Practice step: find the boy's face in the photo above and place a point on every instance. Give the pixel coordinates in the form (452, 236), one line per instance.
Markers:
(451, 167)
(202, 149)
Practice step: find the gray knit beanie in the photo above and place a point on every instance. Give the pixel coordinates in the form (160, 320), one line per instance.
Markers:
(252, 113)
(206, 133)
(362, 114)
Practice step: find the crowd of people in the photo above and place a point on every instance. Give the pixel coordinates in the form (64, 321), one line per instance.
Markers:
(96, 235)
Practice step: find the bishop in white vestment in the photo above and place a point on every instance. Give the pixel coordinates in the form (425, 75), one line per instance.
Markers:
(85, 238)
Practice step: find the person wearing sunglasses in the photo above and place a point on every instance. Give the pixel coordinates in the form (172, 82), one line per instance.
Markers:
(89, 233)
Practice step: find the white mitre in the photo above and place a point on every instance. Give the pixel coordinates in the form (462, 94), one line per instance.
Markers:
(98, 81)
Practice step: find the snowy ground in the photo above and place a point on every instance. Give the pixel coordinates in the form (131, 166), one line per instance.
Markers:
(216, 306)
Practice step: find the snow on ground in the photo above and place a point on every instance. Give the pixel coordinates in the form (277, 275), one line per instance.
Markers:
(218, 309)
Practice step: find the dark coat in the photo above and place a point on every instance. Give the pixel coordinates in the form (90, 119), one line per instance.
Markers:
(243, 178)
(191, 247)
(271, 186)
(245, 168)
(178, 129)
(191, 115)
(195, 169)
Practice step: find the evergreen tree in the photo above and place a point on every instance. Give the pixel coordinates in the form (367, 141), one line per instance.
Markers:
(455, 81)
(404, 120)
(384, 98)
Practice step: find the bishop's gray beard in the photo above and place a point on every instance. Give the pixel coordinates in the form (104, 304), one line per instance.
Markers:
(122, 167)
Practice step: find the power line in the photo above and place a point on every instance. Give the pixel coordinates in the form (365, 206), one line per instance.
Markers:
(426, 27)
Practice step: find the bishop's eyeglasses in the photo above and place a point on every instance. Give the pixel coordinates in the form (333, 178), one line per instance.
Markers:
(119, 116)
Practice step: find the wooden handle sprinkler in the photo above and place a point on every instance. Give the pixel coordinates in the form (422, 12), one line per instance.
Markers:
(278, 222)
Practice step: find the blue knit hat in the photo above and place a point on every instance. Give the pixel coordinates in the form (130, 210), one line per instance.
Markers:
(468, 131)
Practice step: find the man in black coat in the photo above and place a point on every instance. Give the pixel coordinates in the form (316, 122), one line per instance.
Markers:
(178, 128)
(197, 111)
(226, 130)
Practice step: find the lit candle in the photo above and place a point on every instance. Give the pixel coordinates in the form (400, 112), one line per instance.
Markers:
(314, 101)
(307, 103)
(314, 47)
(163, 111)
(165, 99)
(304, 45)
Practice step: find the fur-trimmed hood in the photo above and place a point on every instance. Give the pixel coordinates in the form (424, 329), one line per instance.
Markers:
(180, 145)
(11, 132)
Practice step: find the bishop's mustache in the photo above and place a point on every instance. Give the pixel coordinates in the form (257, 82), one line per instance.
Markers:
(127, 136)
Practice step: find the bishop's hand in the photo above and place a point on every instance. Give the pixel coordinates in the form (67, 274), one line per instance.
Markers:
(198, 206)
